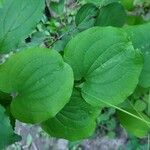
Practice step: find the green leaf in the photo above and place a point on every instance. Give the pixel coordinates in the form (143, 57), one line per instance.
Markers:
(40, 82)
(140, 105)
(86, 15)
(101, 2)
(104, 61)
(133, 125)
(7, 135)
(77, 120)
(57, 7)
(128, 4)
(111, 15)
(135, 20)
(140, 36)
(17, 19)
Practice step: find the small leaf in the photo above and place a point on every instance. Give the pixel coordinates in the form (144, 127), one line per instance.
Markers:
(140, 105)
(77, 120)
(104, 60)
(41, 82)
(17, 19)
(86, 15)
(133, 125)
(57, 7)
(111, 15)
(7, 136)
(140, 35)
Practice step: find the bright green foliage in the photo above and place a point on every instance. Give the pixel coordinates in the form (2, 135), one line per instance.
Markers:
(86, 16)
(7, 136)
(77, 120)
(140, 36)
(133, 125)
(111, 15)
(104, 59)
(40, 82)
(17, 19)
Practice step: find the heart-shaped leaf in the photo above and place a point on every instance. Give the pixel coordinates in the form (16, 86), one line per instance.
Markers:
(40, 82)
(17, 19)
(77, 120)
(7, 135)
(140, 36)
(105, 62)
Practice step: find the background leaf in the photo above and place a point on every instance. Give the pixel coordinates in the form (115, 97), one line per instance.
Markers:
(113, 14)
(17, 19)
(140, 35)
(57, 7)
(101, 2)
(7, 136)
(86, 16)
(133, 125)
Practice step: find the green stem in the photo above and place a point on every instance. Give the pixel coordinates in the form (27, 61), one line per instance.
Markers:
(120, 109)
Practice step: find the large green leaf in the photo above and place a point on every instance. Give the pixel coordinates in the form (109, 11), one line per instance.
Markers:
(77, 120)
(140, 36)
(17, 19)
(86, 16)
(7, 135)
(105, 60)
(111, 15)
(40, 82)
(133, 125)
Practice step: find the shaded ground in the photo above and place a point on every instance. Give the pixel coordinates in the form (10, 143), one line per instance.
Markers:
(33, 138)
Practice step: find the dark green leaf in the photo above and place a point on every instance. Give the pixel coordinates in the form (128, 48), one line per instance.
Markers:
(7, 135)
(17, 19)
(111, 15)
(86, 16)
(77, 120)
(140, 36)
(41, 84)
(5, 99)
(105, 62)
